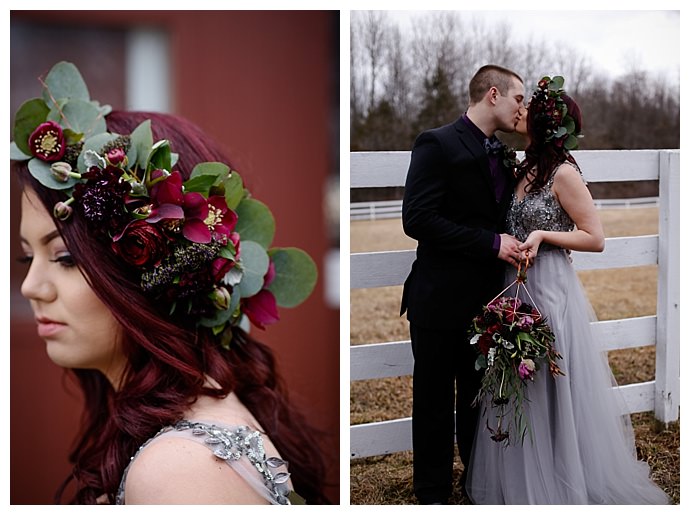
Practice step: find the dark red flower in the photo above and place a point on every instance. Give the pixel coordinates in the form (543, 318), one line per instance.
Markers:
(101, 199)
(220, 267)
(494, 328)
(204, 219)
(207, 219)
(486, 342)
(140, 244)
(47, 142)
(261, 309)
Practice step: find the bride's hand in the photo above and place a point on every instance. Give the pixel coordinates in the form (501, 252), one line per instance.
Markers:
(531, 244)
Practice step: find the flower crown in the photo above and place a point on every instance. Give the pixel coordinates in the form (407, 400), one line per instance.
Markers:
(550, 114)
(202, 247)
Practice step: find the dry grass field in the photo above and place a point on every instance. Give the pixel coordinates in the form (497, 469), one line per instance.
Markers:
(374, 318)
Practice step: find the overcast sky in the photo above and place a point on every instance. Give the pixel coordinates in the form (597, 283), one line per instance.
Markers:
(611, 39)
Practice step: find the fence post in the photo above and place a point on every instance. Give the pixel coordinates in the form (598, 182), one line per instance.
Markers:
(667, 382)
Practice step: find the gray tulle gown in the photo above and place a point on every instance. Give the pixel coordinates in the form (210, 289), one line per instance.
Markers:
(582, 450)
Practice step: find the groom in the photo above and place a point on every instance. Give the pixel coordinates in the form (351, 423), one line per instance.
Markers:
(456, 197)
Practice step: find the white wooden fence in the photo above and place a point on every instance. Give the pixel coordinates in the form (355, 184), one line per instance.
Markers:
(377, 269)
(382, 209)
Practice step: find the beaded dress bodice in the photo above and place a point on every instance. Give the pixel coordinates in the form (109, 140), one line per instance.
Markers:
(233, 445)
(538, 210)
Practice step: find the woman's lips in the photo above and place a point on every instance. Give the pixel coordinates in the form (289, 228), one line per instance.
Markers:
(47, 327)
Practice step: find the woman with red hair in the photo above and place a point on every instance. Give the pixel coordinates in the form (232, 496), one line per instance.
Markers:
(147, 260)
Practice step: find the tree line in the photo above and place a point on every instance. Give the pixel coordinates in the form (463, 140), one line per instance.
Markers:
(402, 83)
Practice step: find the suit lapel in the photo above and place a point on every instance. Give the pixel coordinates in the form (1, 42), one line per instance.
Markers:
(476, 149)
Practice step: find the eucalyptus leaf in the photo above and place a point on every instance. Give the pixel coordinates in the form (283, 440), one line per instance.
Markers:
(255, 222)
(41, 172)
(104, 109)
(569, 124)
(30, 115)
(254, 266)
(64, 81)
(141, 141)
(80, 116)
(556, 83)
(571, 143)
(560, 132)
(17, 154)
(295, 277)
(218, 170)
(201, 184)
(159, 157)
(173, 159)
(95, 144)
(234, 190)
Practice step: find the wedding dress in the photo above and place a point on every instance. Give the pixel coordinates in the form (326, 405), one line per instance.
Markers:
(240, 447)
(582, 449)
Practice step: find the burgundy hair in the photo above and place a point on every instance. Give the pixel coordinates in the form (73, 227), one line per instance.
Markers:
(167, 359)
(546, 156)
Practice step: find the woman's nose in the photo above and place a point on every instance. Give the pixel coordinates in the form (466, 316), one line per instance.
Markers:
(38, 284)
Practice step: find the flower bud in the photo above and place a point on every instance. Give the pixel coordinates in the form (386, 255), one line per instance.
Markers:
(61, 171)
(62, 211)
(116, 156)
(220, 298)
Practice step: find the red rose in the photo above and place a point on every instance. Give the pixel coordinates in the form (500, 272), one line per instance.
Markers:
(47, 142)
(140, 244)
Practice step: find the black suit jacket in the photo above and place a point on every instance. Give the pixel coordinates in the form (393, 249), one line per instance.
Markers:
(451, 210)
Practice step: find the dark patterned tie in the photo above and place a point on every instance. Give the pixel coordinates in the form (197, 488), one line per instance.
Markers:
(493, 146)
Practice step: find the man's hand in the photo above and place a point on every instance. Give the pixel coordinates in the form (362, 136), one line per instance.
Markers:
(509, 250)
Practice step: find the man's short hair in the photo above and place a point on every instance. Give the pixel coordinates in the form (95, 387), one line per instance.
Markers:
(491, 75)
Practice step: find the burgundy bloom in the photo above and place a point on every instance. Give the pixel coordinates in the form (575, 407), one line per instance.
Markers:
(140, 244)
(102, 198)
(486, 342)
(235, 239)
(207, 219)
(204, 219)
(220, 267)
(270, 274)
(261, 309)
(494, 328)
(47, 142)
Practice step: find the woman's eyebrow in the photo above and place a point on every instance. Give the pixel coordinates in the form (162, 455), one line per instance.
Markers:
(45, 239)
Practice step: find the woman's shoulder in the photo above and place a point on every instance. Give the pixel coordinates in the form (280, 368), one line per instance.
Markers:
(567, 175)
(172, 470)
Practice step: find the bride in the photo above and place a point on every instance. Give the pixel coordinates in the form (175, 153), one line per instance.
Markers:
(582, 450)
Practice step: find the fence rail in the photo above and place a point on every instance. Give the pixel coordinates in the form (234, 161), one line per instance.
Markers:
(383, 209)
(390, 268)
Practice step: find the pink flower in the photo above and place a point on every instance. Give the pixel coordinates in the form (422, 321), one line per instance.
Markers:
(526, 369)
(526, 322)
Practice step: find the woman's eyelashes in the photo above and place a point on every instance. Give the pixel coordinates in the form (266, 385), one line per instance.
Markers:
(64, 260)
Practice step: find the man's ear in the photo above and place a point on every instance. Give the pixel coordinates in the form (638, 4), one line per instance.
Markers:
(493, 94)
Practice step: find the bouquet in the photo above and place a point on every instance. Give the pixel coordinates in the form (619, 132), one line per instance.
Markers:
(513, 341)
